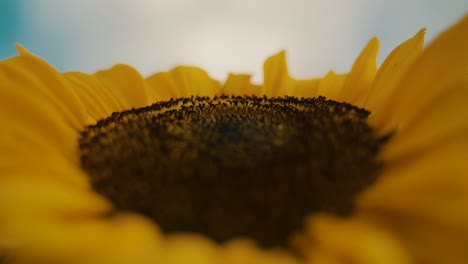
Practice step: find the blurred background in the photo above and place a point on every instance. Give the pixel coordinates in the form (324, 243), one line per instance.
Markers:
(219, 35)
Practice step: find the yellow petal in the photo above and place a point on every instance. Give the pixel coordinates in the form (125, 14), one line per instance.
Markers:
(99, 102)
(359, 79)
(34, 202)
(42, 197)
(162, 86)
(126, 85)
(307, 88)
(352, 241)
(445, 119)
(423, 201)
(433, 185)
(22, 50)
(246, 251)
(182, 81)
(278, 82)
(191, 249)
(276, 79)
(443, 62)
(16, 162)
(31, 124)
(392, 70)
(330, 85)
(240, 84)
(31, 74)
(426, 241)
(124, 239)
(323, 256)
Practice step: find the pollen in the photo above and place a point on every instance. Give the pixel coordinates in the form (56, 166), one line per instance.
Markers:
(233, 166)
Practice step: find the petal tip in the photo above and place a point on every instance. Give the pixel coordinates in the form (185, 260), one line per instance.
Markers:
(279, 56)
(22, 50)
(421, 33)
(375, 43)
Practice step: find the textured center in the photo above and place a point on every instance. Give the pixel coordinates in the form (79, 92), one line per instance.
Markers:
(228, 167)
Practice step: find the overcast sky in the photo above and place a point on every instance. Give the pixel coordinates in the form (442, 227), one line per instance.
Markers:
(220, 36)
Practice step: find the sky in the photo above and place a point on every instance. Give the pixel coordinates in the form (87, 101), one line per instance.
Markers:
(220, 36)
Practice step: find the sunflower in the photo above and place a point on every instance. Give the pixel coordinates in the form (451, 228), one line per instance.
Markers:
(364, 167)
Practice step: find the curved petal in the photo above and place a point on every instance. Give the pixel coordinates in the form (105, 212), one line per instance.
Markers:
(442, 63)
(30, 74)
(186, 248)
(126, 85)
(240, 84)
(278, 82)
(427, 241)
(330, 85)
(392, 70)
(51, 198)
(424, 201)
(433, 184)
(358, 82)
(31, 124)
(182, 81)
(276, 78)
(125, 239)
(246, 251)
(18, 163)
(99, 102)
(350, 241)
(23, 51)
(162, 86)
(307, 88)
(190, 248)
(444, 120)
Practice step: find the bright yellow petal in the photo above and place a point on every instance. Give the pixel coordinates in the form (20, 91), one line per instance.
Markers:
(182, 81)
(278, 82)
(22, 50)
(126, 85)
(240, 84)
(276, 79)
(427, 241)
(330, 85)
(351, 241)
(392, 70)
(124, 239)
(99, 102)
(246, 251)
(307, 88)
(432, 184)
(51, 198)
(186, 248)
(162, 86)
(36, 163)
(424, 202)
(358, 82)
(30, 123)
(32, 202)
(443, 62)
(33, 75)
(445, 119)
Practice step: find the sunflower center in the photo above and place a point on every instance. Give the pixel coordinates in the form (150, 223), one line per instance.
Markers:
(228, 167)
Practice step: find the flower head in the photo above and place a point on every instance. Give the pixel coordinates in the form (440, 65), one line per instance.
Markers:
(363, 167)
